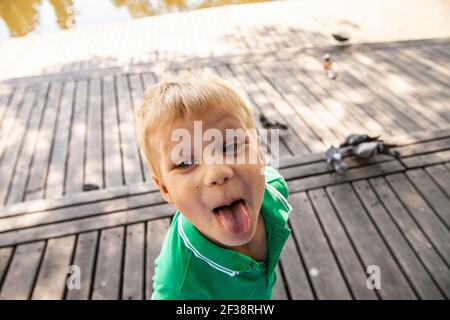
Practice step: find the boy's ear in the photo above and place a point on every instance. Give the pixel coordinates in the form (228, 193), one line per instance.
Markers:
(162, 189)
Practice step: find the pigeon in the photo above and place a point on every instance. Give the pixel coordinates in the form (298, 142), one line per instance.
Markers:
(340, 37)
(360, 146)
(90, 187)
(267, 124)
(369, 149)
(328, 66)
(355, 139)
(335, 158)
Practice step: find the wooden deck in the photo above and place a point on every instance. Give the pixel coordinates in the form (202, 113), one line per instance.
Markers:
(216, 32)
(61, 131)
(390, 213)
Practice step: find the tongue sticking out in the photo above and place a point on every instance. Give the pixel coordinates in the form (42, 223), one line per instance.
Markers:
(234, 218)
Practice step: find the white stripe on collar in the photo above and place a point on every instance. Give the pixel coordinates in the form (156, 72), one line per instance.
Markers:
(189, 245)
(280, 196)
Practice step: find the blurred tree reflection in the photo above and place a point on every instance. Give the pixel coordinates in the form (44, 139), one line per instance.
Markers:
(22, 16)
(136, 8)
(65, 13)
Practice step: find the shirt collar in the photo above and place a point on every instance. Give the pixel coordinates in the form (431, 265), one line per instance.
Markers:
(275, 210)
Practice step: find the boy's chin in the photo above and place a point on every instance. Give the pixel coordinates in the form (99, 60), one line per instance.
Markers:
(232, 240)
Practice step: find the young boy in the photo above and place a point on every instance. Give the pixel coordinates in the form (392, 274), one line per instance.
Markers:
(226, 238)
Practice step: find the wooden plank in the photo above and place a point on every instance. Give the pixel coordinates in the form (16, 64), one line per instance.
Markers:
(431, 85)
(130, 151)
(435, 198)
(19, 280)
(411, 72)
(426, 61)
(411, 113)
(75, 161)
(441, 176)
(327, 279)
(84, 258)
(75, 199)
(6, 94)
(422, 213)
(279, 290)
(322, 122)
(260, 91)
(94, 143)
(86, 224)
(300, 159)
(368, 243)
(369, 100)
(427, 159)
(133, 274)
(299, 125)
(53, 273)
(57, 168)
(13, 148)
(39, 168)
(415, 236)
(420, 136)
(304, 103)
(9, 119)
(418, 71)
(295, 274)
(424, 147)
(327, 179)
(439, 54)
(137, 95)
(156, 232)
(326, 93)
(109, 265)
(5, 256)
(317, 168)
(350, 265)
(113, 160)
(18, 184)
(80, 211)
(410, 264)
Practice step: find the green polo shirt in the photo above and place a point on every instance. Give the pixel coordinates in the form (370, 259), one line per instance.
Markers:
(192, 267)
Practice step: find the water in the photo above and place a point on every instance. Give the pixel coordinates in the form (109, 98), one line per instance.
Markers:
(21, 17)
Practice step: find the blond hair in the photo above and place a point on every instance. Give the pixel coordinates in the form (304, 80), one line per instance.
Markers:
(188, 95)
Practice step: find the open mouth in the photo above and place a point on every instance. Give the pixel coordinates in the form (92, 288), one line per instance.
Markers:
(234, 217)
(229, 206)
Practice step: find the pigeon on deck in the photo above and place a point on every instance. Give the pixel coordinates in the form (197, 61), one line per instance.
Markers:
(340, 37)
(267, 124)
(328, 67)
(355, 139)
(361, 147)
(90, 187)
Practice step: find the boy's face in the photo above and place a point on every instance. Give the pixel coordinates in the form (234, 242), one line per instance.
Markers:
(222, 200)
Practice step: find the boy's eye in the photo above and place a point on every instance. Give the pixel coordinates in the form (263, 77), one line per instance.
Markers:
(185, 164)
(233, 148)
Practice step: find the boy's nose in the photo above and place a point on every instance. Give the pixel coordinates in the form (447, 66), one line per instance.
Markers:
(217, 174)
